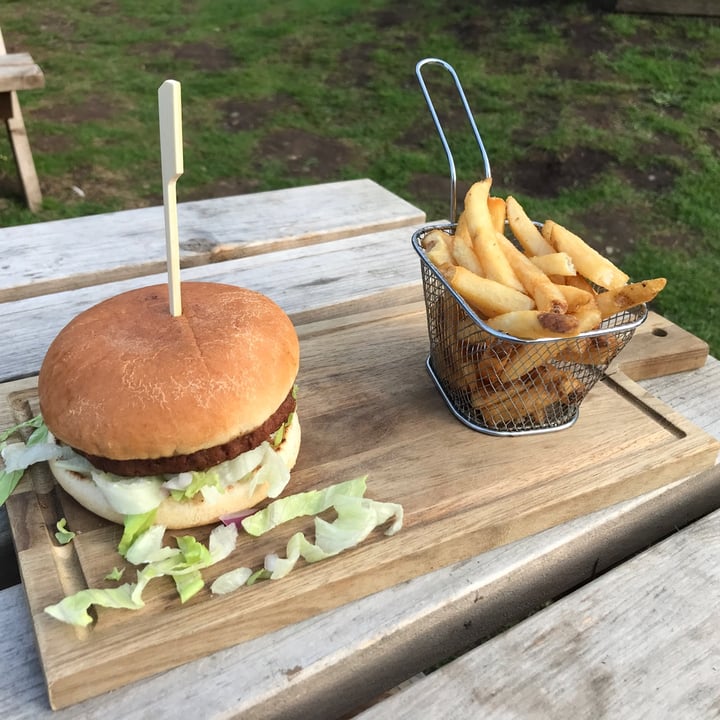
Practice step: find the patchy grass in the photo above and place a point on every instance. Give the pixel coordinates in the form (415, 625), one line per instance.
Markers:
(608, 123)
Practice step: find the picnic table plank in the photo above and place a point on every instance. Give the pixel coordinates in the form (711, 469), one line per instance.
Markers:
(641, 641)
(47, 257)
(18, 71)
(337, 276)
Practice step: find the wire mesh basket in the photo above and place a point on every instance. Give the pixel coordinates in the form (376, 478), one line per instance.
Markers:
(503, 385)
(493, 382)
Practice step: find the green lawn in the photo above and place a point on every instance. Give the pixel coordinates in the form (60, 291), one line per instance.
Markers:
(607, 123)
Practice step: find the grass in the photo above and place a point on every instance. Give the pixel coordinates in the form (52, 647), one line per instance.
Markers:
(605, 122)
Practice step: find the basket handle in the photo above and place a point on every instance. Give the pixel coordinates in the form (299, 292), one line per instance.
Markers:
(453, 176)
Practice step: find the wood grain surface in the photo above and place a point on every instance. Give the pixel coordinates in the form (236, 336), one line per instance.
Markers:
(639, 642)
(60, 255)
(367, 406)
(18, 71)
(323, 279)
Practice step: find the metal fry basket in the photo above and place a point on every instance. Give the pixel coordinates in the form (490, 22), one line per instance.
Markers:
(496, 383)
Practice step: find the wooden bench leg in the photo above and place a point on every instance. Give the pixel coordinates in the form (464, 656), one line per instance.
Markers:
(23, 155)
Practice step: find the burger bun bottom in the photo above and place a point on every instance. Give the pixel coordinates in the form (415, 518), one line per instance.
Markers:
(193, 512)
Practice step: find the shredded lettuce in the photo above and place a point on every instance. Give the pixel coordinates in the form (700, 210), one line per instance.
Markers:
(187, 485)
(73, 461)
(183, 564)
(356, 518)
(140, 495)
(33, 422)
(148, 547)
(133, 527)
(63, 535)
(130, 496)
(17, 457)
(20, 456)
(312, 502)
(188, 584)
(73, 609)
(115, 574)
(8, 482)
(231, 580)
(279, 435)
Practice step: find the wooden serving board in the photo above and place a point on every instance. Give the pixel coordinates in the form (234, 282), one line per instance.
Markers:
(367, 406)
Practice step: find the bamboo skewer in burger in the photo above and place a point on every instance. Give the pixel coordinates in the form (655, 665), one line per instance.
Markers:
(171, 157)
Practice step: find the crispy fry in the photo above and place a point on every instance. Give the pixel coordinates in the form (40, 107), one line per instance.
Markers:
(547, 296)
(550, 286)
(579, 282)
(588, 317)
(533, 324)
(505, 362)
(457, 338)
(576, 297)
(494, 261)
(437, 246)
(461, 230)
(525, 230)
(511, 404)
(464, 255)
(599, 350)
(484, 295)
(496, 206)
(627, 296)
(480, 227)
(556, 263)
(588, 261)
(476, 211)
(559, 323)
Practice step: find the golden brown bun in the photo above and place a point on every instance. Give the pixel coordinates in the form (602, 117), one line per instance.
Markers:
(175, 514)
(125, 379)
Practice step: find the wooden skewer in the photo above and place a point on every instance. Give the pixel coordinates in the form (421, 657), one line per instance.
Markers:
(171, 152)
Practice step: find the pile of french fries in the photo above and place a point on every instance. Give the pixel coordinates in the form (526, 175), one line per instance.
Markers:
(549, 288)
(550, 284)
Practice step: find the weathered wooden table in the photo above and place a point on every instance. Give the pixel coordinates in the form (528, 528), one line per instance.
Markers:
(19, 72)
(342, 251)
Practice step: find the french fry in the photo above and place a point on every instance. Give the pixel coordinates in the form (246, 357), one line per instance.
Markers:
(547, 296)
(486, 296)
(461, 230)
(576, 297)
(533, 324)
(588, 261)
(555, 263)
(476, 210)
(437, 245)
(525, 230)
(496, 206)
(494, 261)
(510, 405)
(489, 364)
(579, 282)
(505, 362)
(627, 296)
(465, 255)
(480, 226)
(588, 317)
(599, 350)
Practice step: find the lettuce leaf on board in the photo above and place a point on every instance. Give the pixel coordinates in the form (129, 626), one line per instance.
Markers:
(357, 517)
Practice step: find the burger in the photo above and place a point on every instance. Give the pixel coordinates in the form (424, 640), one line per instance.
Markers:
(189, 418)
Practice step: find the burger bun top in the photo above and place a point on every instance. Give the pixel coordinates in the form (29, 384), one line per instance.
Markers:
(127, 380)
